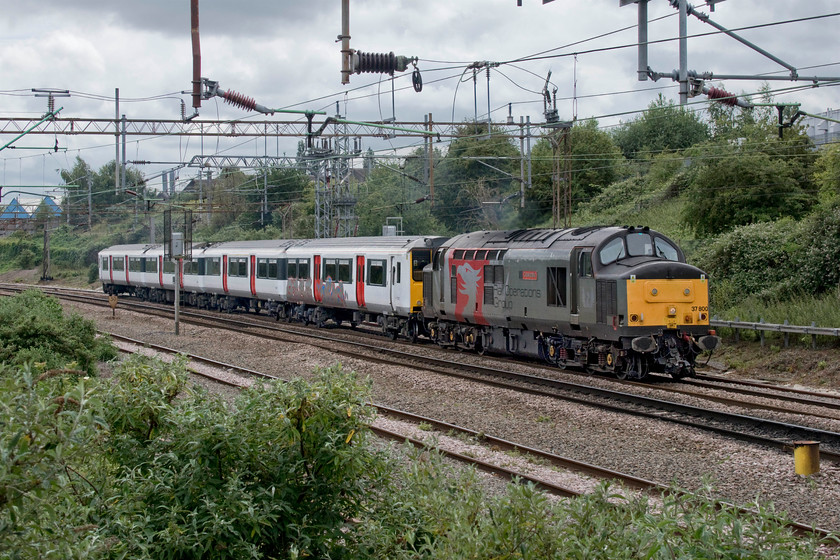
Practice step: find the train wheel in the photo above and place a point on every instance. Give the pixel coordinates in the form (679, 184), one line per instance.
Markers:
(412, 328)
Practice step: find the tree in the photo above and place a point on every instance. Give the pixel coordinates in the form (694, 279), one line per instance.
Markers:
(662, 127)
(395, 192)
(471, 160)
(827, 174)
(740, 183)
(595, 164)
(104, 198)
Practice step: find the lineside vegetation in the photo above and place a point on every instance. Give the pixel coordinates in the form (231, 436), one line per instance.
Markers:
(140, 464)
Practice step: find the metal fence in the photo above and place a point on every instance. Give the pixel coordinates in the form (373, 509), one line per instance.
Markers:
(784, 328)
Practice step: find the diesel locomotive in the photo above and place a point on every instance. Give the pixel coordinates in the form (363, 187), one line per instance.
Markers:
(618, 300)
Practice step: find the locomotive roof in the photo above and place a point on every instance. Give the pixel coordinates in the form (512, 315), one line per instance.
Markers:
(541, 238)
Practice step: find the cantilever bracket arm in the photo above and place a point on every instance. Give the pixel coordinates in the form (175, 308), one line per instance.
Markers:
(48, 116)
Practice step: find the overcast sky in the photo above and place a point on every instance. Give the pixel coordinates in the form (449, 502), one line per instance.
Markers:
(284, 54)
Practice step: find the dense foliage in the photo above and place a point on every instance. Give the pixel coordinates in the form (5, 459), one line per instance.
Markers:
(663, 127)
(776, 261)
(142, 465)
(34, 330)
(740, 183)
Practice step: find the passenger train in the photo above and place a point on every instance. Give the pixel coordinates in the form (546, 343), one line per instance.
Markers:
(619, 300)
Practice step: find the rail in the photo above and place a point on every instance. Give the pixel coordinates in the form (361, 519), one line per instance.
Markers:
(787, 329)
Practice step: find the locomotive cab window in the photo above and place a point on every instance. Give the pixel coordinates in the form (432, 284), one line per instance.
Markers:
(665, 249)
(419, 259)
(639, 245)
(585, 264)
(612, 251)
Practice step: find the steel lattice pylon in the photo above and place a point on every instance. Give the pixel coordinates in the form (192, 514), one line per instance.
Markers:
(330, 163)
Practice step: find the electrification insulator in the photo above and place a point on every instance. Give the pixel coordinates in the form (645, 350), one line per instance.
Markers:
(379, 63)
(239, 100)
(417, 80)
(722, 96)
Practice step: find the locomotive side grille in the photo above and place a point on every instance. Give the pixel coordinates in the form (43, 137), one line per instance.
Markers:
(488, 294)
(607, 299)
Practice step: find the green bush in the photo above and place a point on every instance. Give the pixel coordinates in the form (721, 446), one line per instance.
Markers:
(281, 469)
(139, 467)
(93, 273)
(50, 474)
(33, 328)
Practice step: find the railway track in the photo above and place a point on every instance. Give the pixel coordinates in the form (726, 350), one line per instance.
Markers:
(445, 427)
(756, 430)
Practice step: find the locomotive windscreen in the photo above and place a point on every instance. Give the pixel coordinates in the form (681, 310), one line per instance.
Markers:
(419, 259)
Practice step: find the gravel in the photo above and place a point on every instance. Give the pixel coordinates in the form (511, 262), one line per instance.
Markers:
(656, 450)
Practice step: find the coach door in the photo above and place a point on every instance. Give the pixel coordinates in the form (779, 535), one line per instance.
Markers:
(398, 289)
(316, 277)
(253, 275)
(360, 280)
(582, 293)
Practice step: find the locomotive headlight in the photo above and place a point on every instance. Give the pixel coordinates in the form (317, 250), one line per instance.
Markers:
(672, 311)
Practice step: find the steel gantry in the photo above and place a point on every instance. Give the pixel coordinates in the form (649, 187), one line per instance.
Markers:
(229, 128)
(328, 156)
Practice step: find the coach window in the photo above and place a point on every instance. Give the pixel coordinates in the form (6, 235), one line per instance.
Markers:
(135, 264)
(168, 267)
(104, 261)
(344, 273)
(556, 288)
(191, 267)
(214, 266)
(272, 268)
(331, 270)
(282, 269)
(303, 269)
(291, 268)
(151, 265)
(262, 268)
(612, 251)
(201, 270)
(119, 264)
(376, 273)
(238, 266)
